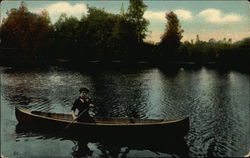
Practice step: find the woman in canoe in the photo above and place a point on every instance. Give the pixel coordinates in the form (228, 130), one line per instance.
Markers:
(82, 104)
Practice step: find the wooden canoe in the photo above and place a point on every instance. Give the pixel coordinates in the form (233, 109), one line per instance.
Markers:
(111, 125)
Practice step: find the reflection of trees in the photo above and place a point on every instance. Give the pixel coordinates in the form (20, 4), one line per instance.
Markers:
(121, 147)
(81, 149)
(119, 95)
(115, 146)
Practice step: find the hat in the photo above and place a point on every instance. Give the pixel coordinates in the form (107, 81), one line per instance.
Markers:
(83, 89)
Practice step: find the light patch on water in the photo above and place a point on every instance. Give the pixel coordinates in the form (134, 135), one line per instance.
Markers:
(55, 79)
(153, 92)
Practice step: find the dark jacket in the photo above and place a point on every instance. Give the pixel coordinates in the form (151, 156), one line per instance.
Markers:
(82, 107)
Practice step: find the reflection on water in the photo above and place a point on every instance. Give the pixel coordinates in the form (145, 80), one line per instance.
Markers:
(90, 145)
(217, 103)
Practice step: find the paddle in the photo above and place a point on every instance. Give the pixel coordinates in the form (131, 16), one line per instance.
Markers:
(76, 118)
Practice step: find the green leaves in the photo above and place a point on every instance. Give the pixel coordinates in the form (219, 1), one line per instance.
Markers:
(135, 14)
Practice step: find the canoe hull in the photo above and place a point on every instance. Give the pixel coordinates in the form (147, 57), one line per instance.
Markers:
(179, 128)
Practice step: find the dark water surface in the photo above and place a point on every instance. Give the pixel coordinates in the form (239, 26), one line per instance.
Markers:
(217, 103)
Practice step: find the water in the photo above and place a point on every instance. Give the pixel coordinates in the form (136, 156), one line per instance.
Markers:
(217, 103)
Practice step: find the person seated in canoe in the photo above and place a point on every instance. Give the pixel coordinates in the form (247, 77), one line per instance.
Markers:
(82, 104)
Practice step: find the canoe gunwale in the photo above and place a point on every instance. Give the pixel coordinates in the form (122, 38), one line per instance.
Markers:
(157, 121)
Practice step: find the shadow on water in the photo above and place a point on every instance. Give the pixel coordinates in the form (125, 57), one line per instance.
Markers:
(86, 144)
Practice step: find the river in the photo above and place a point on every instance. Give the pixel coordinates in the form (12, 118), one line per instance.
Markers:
(216, 101)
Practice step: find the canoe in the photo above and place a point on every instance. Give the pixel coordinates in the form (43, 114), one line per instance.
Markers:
(102, 125)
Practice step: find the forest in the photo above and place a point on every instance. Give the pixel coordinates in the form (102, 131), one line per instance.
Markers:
(29, 38)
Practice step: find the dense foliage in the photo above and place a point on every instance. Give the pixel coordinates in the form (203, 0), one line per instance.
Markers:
(171, 39)
(104, 36)
(135, 14)
(28, 32)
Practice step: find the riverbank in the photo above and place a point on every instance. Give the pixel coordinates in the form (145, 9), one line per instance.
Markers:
(171, 65)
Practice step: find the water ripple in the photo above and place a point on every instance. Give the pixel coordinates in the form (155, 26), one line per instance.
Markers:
(217, 103)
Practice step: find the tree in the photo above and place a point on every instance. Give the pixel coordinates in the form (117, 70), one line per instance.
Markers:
(27, 31)
(123, 37)
(100, 32)
(171, 39)
(135, 14)
(66, 35)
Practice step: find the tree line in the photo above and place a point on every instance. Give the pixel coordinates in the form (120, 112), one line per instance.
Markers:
(100, 35)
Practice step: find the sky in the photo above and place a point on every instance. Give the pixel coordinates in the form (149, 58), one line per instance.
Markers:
(208, 19)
